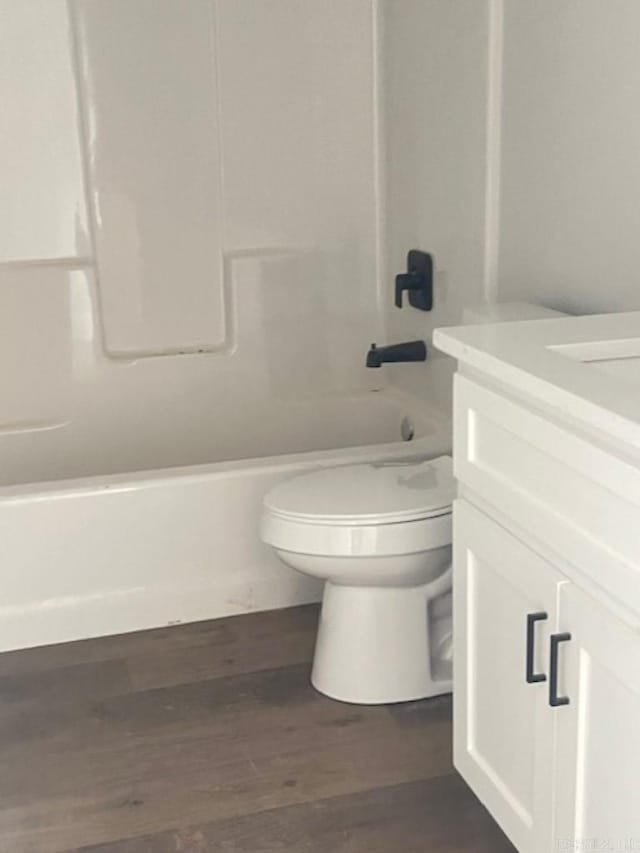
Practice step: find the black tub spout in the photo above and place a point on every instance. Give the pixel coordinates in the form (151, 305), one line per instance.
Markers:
(409, 351)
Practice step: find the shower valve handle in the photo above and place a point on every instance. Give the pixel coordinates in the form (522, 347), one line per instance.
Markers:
(406, 281)
(417, 280)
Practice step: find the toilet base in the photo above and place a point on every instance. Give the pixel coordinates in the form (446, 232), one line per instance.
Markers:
(373, 645)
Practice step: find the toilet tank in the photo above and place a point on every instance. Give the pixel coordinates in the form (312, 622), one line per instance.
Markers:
(502, 312)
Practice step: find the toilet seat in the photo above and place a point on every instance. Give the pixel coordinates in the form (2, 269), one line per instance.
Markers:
(375, 540)
(366, 494)
(372, 510)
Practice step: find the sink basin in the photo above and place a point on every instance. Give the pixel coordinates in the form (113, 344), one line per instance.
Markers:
(619, 357)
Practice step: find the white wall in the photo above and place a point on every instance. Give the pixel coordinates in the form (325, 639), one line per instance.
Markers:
(435, 112)
(175, 178)
(513, 155)
(570, 177)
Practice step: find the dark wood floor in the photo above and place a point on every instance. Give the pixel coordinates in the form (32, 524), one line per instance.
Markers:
(208, 737)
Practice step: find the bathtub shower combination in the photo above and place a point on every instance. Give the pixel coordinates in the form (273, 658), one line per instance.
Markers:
(190, 281)
(120, 548)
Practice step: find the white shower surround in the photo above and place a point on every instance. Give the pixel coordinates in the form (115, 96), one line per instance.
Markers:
(120, 552)
(141, 423)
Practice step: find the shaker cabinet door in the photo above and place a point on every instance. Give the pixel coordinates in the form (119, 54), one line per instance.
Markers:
(597, 775)
(505, 609)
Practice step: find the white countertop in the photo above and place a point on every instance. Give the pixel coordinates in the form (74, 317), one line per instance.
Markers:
(588, 368)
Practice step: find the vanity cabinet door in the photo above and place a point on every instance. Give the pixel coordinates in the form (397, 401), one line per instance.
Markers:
(504, 595)
(597, 775)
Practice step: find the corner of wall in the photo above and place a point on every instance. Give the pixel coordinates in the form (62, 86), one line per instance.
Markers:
(495, 48)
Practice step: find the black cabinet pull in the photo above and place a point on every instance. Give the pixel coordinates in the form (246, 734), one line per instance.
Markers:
(532, 618)
(554, 699)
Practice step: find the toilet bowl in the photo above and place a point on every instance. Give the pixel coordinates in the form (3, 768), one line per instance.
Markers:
(379, 535)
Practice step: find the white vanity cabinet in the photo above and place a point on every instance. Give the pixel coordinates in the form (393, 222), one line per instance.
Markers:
(547, 577)
(597, 736)
(547, 697)
(505, 608)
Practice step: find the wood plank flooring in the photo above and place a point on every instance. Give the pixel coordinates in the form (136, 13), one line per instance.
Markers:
(208, 737)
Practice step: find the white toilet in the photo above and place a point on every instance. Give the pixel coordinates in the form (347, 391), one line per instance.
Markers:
(379, 534)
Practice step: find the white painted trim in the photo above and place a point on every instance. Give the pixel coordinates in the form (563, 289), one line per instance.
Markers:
(495, 48)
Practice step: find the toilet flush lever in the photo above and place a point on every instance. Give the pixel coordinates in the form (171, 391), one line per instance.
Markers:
(417, 280)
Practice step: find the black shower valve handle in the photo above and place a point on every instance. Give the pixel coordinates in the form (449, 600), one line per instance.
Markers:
(406, 281)
(417, 280)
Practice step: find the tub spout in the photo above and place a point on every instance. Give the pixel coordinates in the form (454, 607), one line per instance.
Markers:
(409, 351)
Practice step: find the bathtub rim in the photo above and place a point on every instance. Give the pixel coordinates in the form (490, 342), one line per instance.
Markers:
(419, 446)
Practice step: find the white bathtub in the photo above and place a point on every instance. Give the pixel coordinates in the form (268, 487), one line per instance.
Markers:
(104, 535)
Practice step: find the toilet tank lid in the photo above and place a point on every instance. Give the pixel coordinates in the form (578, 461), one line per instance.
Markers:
(372, 493)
